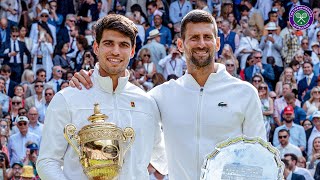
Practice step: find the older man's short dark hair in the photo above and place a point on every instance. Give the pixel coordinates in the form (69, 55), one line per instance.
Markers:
(198, 16)
(293, 156)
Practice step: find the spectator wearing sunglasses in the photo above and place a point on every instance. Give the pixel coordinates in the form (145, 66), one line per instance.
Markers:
(267, 106)
(149, 66)
(16, 104)
(260, 68)
(231, 68)
(13, 55)
(56, 80)
(34, 32)
(64, 34)
(17, 142)
(48, 95)
(37, 100)
(298, 135)
(285, 146)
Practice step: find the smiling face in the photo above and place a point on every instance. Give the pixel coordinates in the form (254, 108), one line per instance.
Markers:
(114, 52)
(18, 91)
(199, 44)
(288, 73)
(316, 144)
(307, 69)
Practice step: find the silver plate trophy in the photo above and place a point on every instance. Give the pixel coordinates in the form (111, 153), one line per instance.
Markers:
(243, 158)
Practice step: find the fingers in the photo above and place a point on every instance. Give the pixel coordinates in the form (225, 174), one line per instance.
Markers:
(71, 84)
(74, 82)
(85, 79)
(90, 72)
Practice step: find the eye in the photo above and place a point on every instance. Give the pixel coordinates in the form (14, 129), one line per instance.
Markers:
(208, 37)
(125, 45)
(194, 38)
(108, 43)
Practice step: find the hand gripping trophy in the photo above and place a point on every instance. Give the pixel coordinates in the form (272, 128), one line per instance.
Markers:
(101, 146)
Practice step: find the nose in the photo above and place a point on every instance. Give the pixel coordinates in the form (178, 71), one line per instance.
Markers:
(201, 43)
(116, 50)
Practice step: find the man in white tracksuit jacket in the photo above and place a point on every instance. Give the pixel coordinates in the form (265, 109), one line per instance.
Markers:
(205, 106)
(124, 103)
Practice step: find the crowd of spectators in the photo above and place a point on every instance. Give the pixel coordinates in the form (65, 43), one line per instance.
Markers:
(43, 42)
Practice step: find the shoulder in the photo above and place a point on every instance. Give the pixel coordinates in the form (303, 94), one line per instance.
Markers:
(21, 42)
(33, 135)
(4, 96)
(29, 98)
(299, 127)
(188, 3)
(267, 65)
(34, 26)
(150, 29)
(13, 83)
(51, 26)
(297, 176)
(162, 87)
(243, 87)
(300, 110)
(175, 3)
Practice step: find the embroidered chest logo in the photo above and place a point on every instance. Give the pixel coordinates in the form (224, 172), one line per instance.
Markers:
(222, 104)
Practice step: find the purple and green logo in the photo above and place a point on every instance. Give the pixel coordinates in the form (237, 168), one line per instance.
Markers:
(301, 17)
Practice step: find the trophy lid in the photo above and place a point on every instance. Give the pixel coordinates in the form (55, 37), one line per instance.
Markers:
(97, 117)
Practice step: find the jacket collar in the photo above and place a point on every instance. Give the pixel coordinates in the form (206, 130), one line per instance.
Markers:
(188, 81)
(105, 83)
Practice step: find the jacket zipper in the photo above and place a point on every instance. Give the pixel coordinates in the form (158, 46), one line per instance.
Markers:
(198, 130)
(115, 114)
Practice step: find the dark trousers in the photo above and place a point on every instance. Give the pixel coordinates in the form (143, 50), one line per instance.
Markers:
(16, 71)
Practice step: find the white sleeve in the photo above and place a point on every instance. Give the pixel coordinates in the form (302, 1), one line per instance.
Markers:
(53, 143)
(159, 158)
(253, 125)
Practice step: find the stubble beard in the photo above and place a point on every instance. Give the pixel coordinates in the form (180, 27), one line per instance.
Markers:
(201, 62)
(288, 121)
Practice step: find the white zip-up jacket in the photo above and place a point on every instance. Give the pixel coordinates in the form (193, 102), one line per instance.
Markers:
(127, 106)
(195, 118)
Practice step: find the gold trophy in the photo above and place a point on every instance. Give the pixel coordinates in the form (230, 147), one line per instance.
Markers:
(101, 146)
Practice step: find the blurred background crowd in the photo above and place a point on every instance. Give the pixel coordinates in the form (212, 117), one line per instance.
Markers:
(44, 42)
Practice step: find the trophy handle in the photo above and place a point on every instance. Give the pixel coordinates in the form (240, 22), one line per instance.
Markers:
(69, 133)
(128, 133)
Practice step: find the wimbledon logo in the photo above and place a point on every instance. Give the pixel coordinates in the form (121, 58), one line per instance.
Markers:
(301, 17)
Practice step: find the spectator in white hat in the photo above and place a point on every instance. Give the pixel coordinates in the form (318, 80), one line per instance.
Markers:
(34, 32)
(271, 45)
(17, 142)
(157, 50)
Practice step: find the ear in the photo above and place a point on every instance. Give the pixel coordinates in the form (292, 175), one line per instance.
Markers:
(217, 44)
(133, 50)
(180, 45)
(95, 48)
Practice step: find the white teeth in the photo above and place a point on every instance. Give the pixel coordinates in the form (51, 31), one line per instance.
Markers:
(114, 60)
